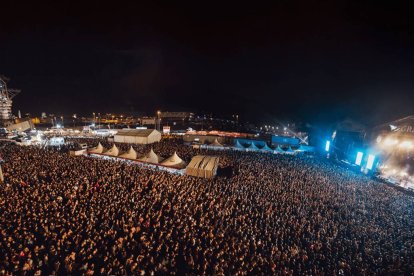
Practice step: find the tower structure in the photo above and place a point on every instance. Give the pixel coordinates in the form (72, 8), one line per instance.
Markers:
(6, 102)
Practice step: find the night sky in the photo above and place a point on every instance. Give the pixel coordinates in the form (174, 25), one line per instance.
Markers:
(315, 61)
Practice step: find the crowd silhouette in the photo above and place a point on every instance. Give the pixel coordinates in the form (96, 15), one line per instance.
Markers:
(276, 214)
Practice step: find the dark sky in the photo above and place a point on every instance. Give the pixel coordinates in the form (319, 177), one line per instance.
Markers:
(309, 60)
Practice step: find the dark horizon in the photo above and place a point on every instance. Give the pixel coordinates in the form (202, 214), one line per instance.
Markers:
(312, 61)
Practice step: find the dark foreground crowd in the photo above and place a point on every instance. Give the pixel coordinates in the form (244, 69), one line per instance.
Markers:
(277, 214)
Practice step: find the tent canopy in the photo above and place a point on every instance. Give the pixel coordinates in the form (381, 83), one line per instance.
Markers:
(253, 147)
(203, 166)
(98, 149)
(174, 161)
(237, 145)
(130, 154)
(216, 143)
(137, 136)
(151, 157)
(114, 151)
(266, 147)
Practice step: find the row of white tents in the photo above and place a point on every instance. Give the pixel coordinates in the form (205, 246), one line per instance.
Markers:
(259, 147)
(151, 157)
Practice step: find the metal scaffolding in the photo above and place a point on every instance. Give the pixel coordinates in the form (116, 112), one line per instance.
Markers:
(6, 96)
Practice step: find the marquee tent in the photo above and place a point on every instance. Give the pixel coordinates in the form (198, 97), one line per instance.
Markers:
(114, 151)
(252, 147)
(130, 154)
(174, 161)
(237, 145)
(278, 149)
(203, 166)
(137, 136)
(98, 149)
(216, 143)
(266, 148)
(151, 157)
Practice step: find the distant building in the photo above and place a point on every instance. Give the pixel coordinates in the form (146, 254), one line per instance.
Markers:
(21, 126)
(145, 121)
(175, 120)
(166, 115)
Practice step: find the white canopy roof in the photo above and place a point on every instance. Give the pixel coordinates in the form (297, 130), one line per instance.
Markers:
(266, 147)
(130, 154)
(216, 143)
(203, 166)
(114, 151)
(278, 149)
(238, 145)
(174, 161)
(253, 146)
(98, 149)
(151, 157)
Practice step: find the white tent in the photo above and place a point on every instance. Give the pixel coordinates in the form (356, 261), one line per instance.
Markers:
(216, 143)
(130, 154)
(237, 145)
(174, 161)
(151, 157)
(137, 136)
(252, 147)
(290, 150)
(114, 151)
(98, 149)
(266, 148)
(278, 150)
(203, 166)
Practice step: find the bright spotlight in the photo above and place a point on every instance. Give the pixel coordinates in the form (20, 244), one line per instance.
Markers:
(327, 145)
(359, 158)
(370, 162)
(406, 145)
(390, 142)
(402, 173)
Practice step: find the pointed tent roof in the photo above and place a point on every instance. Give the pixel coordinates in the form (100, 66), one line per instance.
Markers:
(290, 150)
(174, 161)
(114, 151)
(278, 149)
(130, 154)
(216, 143)
(151, 157)
(98, 149)
(266, 147)
(237, 145)
(253, 147)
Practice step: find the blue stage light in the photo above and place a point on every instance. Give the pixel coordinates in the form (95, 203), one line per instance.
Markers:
(327, 145)
(370, 162)
(359, 158)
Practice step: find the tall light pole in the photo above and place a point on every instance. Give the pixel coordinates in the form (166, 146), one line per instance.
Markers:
(158, 120)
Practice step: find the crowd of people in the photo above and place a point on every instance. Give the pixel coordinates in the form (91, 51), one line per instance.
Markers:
(276, 214)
